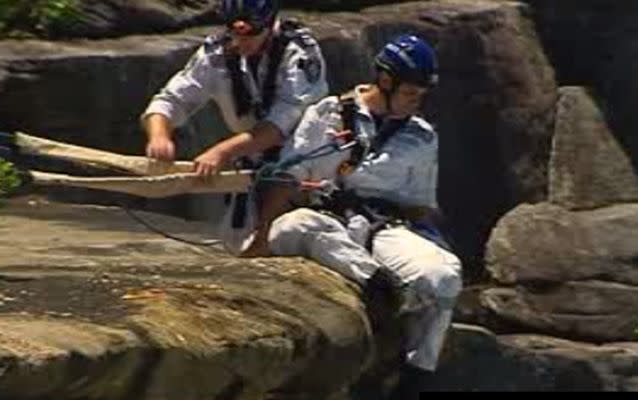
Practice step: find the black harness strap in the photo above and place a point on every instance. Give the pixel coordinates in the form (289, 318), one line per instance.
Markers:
(385, 131)
(378, 212)
(243, 104)
(270, 83)
(241, 96)
(348, 110)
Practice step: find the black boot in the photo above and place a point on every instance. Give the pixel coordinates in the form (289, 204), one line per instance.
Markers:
(382, 294)
(384, 286)
(412, 382)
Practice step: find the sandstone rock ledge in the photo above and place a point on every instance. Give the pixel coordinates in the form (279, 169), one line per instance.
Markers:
(92, 305)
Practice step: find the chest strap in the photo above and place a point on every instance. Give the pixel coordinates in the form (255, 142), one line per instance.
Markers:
(348, 111)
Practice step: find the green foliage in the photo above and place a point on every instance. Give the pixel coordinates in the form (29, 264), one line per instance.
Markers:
(9, 178)
(36, 17)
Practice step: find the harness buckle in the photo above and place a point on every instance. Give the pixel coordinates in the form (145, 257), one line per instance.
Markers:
(325, 187)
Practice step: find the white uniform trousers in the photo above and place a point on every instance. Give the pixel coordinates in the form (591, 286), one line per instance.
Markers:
(431, 275)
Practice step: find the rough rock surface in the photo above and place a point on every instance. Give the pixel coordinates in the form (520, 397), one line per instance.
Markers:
(478, 360)
(572, 274)
(92, 304)
(589, 168)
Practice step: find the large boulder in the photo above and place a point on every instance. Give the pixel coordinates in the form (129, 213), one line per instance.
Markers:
(92, 305)
(493, 109)
(546, 243)
(495, 113)
(114, 18)
(477, 360)
(588, 167)
(86, 92)
(571, 274)
(569, 267)
(99, 18)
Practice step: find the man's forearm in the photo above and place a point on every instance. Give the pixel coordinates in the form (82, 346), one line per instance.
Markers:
(263, 137)
(158, 126)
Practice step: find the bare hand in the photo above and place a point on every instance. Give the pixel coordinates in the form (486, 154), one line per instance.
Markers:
(209, 162)
(161, 148)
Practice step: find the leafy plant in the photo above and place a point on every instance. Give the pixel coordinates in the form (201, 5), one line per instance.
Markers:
(36, 16)
(9, 178)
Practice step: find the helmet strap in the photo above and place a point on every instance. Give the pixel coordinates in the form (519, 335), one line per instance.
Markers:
(388, 93)
(268, 42)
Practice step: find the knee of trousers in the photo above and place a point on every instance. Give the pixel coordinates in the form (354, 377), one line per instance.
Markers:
(288, 232)
(442, 282)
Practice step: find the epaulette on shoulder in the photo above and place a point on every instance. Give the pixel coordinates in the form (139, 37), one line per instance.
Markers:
(350, 95)
(214, 42)
(297, 32)
(328, 105)
(421, 129)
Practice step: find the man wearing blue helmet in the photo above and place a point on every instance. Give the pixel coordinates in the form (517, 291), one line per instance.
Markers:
(261, 72)
(376, 228)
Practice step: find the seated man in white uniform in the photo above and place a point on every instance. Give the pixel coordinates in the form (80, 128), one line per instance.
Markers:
(378, 223)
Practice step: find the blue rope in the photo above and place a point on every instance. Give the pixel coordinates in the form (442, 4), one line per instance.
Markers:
(269, 171)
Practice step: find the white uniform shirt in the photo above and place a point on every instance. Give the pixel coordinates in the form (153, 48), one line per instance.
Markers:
(300, 82)
(404, 171)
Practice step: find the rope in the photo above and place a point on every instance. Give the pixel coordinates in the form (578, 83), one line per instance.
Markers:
(272, 172)
(154, 229)
(269, 172)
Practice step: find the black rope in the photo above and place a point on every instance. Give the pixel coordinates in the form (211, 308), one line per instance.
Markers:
(152, 228)
(270, 171)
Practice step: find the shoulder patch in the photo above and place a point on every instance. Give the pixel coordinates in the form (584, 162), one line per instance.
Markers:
(298, 33)
(422, 129)
(304, 39)
(214, 44)
(328, 105)
(214, 49)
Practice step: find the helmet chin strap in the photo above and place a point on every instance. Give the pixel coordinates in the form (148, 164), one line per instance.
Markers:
(269, 39)
(387, 94)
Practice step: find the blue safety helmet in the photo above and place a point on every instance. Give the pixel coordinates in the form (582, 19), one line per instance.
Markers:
(409, 59)
(258, 13)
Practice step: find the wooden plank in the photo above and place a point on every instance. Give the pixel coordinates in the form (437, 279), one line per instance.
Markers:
(153, 186)
(98, 158)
